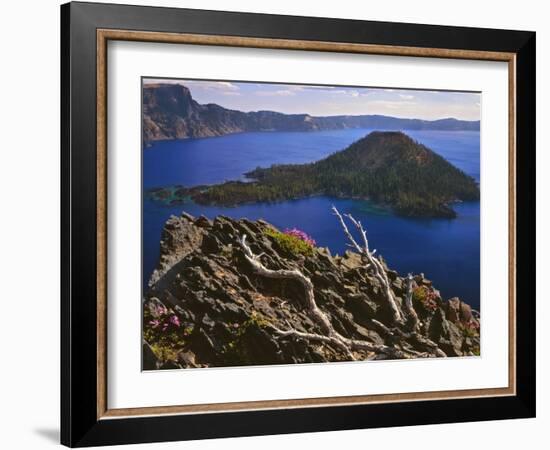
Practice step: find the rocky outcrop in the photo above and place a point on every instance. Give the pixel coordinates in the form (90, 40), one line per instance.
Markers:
(207, 306)
(170, 112)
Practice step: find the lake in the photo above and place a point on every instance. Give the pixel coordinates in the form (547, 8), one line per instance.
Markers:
(445, 250)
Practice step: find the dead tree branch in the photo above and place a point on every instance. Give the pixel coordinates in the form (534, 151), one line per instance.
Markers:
(409, 305)
(330, 336)
(295, 274)
(374, 262)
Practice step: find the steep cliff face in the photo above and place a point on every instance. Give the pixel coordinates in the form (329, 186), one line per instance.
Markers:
(208, 305)
(170, 112)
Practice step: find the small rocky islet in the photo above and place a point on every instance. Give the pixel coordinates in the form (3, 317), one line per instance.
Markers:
(208, 305)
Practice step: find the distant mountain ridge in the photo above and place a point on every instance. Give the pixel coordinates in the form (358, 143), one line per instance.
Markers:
(170, 112)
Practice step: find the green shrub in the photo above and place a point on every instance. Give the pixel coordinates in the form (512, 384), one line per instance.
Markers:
(236, 351)
(426, 298)
(164, 332)
(291, 243)
(469, 329)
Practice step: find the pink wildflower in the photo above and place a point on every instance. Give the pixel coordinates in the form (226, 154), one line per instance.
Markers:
(174, 320)
(300, 235)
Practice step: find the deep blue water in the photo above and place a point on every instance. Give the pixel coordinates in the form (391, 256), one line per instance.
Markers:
(445, 250)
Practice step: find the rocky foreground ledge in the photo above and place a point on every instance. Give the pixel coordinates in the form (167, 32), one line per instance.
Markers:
(232, 292)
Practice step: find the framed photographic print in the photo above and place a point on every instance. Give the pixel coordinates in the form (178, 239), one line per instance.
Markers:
(277, 224)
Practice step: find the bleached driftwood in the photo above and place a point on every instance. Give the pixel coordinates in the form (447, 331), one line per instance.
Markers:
(330, 336)
(372, 262)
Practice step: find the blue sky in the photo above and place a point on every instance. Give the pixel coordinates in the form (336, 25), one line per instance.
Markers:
(336, 100)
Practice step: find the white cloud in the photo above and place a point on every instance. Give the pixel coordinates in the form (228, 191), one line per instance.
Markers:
(285, 91)
(406, 96)
(217, 86)
(391, 104)
(319, 88)
(222, 86)
(226, 84)
(278, 93)
(350, 92)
